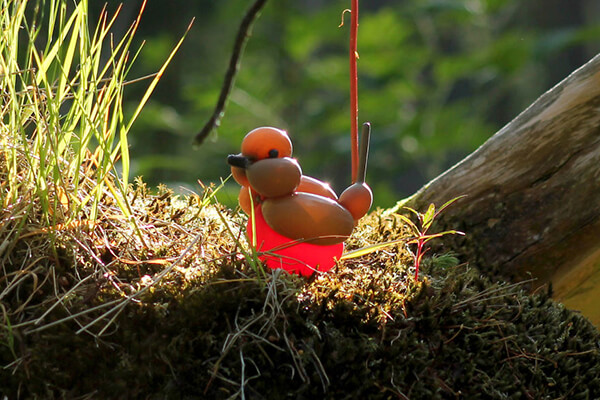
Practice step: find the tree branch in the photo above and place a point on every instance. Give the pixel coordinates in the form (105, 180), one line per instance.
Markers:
(234, 65)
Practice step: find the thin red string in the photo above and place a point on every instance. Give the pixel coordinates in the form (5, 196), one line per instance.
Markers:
(354, 90)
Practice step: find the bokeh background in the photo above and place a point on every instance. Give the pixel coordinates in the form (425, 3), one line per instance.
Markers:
(436, 79)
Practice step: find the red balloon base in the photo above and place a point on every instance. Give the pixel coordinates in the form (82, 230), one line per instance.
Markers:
(294, 257)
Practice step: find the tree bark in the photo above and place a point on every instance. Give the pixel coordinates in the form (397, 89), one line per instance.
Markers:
(533, 190)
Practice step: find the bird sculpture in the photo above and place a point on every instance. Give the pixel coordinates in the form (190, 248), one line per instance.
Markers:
(298, 222)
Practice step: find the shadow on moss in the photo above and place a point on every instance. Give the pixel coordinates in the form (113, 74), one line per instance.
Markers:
(459, 336)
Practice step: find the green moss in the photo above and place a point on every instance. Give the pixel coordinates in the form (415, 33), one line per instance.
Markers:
(460, 336)
(213, 329)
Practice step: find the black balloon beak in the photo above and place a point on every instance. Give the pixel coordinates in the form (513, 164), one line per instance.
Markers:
(238, 160)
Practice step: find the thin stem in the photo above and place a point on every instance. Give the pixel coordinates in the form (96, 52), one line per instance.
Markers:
(418, 257)
(365, 138)
(354, 90)
(234, 65)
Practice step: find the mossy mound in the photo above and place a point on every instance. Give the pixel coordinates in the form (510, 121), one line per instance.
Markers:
(198, 319)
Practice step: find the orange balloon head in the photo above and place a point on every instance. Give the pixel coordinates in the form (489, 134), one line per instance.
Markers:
(266, 142)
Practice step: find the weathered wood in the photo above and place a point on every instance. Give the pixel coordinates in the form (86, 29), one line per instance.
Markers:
(533, 204)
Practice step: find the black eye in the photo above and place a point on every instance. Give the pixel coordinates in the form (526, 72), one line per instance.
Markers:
(273, 153)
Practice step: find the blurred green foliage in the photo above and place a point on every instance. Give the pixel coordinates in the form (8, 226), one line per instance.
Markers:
(436, 79)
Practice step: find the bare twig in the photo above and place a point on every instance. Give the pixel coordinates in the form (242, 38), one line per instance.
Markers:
(234, 65)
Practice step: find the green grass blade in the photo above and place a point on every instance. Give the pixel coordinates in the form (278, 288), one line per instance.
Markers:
(371, 249)
(154, 82)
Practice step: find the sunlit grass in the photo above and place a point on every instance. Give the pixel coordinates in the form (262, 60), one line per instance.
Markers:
(63, 122)
(64, 153)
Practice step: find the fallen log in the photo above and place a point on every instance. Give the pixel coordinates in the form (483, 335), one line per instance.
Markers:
(533, 194)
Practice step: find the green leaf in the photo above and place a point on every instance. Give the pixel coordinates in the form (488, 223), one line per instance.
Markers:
(448, 204)
(411, 224)
(427, 238)
(428, 217)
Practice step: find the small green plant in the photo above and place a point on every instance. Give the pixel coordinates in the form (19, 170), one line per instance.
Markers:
(421, 230)
(420, 236)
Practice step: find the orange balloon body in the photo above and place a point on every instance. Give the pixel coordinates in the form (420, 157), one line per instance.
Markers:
(315, 186)
(244, 199)
(239, 175)
(306, 216)
(274, 177)
(299, 258)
